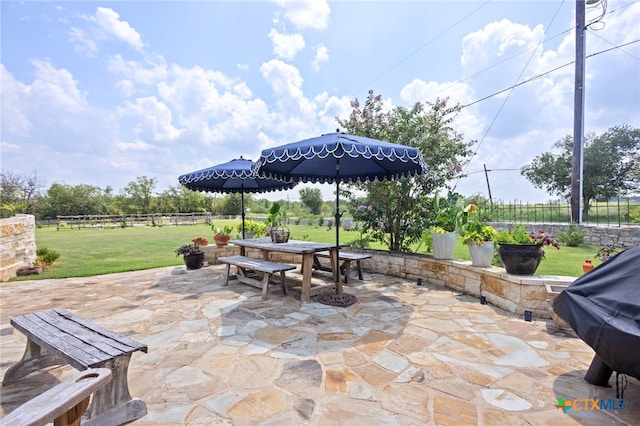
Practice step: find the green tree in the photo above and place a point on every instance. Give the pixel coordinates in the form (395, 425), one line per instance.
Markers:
(611, 166)
(140, 194)
(19, 194)
(231, 204)
(67, 200)
(400, 209)
(311, 198)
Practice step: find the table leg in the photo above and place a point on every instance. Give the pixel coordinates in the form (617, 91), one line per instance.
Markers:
(307, 263)
(335, 268)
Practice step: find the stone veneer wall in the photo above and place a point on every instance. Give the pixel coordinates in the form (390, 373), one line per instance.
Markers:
(18, 244)
(514, 293)
(624, 236)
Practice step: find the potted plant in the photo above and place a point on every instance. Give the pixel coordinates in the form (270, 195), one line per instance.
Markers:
(192, 255)
(222, 235)
(521, 252)
(443, 237)
(200, 241)
(275, 227)
(478, 236)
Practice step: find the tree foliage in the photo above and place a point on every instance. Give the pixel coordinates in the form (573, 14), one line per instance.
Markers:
(400, 210)
(311, 198)
(611, 166)
(19, 194)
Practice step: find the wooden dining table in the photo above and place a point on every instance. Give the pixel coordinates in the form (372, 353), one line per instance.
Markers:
(304, 248)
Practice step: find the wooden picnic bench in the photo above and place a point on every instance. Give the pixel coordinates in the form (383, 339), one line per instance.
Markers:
(345, 268)
(246, 264)
(63, 404)
(57, 336)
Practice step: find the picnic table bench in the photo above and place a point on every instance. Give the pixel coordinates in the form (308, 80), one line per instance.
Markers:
(63, 404)
(345, 268)
(57, 336)
(267, 267)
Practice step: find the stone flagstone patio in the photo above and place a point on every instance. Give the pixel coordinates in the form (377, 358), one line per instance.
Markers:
(402, 355)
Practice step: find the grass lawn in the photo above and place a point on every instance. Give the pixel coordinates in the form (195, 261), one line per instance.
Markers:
(88, 252)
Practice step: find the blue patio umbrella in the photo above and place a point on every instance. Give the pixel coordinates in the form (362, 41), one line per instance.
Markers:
(340, 157)
(233, 177)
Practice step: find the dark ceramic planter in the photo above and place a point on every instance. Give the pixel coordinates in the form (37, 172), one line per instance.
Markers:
(520, 259)
(194, 261)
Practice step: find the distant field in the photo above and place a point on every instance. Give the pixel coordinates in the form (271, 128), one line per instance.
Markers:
(88, 252)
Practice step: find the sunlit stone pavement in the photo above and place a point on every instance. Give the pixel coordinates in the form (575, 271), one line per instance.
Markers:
(402, 355)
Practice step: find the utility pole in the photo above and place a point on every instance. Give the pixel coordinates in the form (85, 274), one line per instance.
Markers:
(486, 176)
(578, 116)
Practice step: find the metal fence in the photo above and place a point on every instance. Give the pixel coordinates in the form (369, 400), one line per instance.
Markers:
(616, 212)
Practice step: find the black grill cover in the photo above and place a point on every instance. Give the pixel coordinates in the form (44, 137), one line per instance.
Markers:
(603, 308)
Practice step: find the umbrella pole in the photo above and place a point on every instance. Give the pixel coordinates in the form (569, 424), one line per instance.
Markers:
(337, 265)
(242, 206)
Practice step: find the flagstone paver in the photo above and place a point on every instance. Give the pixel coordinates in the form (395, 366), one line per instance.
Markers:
(402, 355)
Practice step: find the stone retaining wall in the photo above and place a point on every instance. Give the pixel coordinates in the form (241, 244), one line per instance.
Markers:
(623, 236)
(514, 293)
(17, 244)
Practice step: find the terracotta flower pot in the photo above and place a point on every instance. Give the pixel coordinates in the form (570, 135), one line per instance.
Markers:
(221, 240)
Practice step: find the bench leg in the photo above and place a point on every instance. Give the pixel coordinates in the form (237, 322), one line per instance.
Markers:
(33, 359)
(359, 267)
(265, 285)
(346, 270)
(226, 274)
(112, 404)
(284, 283)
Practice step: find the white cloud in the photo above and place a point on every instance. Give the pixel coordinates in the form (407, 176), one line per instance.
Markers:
(14, 99)
(286, 46)
(82, 42)
(306, 14)
(153, 120)
(152, 71)
(57, 88)
(109, 21)
(322, 55)
(126, 87)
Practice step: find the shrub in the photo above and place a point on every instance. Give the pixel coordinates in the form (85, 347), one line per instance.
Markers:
(573, 237)
(45, 257)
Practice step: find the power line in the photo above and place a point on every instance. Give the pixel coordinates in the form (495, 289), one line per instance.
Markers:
(397, 64)
(511, 90)
(537, 76)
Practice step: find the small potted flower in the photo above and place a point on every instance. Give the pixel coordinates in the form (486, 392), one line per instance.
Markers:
(222, 235)
(192, 255)
(478, 236)
(521, 252)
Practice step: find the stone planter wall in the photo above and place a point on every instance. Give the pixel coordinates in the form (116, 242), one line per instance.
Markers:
(624, 236)
(17, 244)
(514, 293)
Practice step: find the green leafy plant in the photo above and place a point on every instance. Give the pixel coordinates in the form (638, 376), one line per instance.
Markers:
(226, 230)
(474, 231)
(275, 215)
(573, 236)
(518, 235)
(607, 252)
(448, 213)
(45, 257)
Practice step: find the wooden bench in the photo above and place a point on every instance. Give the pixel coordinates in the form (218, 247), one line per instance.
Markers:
(63, 404)
(57, 336)
(246, 264)
(345, 268)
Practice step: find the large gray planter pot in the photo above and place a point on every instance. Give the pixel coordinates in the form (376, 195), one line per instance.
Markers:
(520, 259)
(443, 245)
(481, 256)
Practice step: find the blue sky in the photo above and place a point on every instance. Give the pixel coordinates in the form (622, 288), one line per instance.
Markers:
(102, 92)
